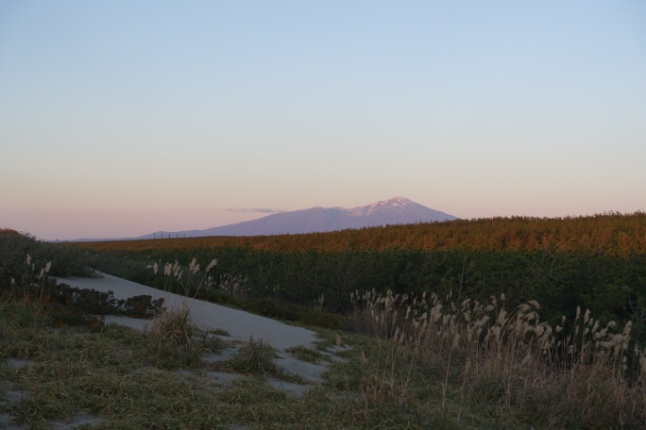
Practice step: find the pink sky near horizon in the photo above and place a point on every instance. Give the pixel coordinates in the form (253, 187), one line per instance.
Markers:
(118, 119)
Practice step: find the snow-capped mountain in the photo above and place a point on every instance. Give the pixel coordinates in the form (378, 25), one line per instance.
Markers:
(398, 210)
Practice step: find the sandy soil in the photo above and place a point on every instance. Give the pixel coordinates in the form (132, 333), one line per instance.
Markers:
(239, 324)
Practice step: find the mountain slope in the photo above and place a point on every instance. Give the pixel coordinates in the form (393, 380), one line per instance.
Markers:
(398, 210)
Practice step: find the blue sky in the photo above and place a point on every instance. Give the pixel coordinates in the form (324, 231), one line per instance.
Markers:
(121, 118)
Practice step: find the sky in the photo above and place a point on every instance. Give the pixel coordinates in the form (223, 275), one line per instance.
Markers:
(120, 118)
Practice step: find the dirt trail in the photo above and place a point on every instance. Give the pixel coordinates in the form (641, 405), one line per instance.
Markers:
(239, 324)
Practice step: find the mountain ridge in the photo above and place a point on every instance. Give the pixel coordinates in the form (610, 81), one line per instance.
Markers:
(397, 210)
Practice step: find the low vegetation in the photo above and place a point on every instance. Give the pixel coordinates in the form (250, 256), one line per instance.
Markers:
(596, 262)
(438, 351)
(579, 374)
(255, 357)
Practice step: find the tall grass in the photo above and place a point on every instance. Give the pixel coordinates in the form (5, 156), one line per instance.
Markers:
(579, 373)
(187, 281)
(173, 338)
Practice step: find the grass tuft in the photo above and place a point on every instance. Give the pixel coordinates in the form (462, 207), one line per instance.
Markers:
(255, 357)
(174, 340)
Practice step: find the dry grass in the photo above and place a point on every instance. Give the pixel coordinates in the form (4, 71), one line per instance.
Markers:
(172, 330)
(108, 374)
(578, 374)
(433, 364)
(255, 357)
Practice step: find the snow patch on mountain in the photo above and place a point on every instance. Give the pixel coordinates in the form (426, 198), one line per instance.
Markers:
(396, 203)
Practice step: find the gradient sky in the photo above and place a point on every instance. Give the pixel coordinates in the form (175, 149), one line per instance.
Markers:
(120, 118)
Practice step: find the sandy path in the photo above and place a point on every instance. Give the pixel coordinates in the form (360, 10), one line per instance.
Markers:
(239, 324)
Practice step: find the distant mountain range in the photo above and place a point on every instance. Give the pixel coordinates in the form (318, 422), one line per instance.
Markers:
(398, 210)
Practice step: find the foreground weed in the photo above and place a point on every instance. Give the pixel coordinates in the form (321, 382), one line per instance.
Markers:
(172, 337)
(579, 374)
(175, 340)
(255, 357)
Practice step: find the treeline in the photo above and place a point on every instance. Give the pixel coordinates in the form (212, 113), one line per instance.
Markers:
(610, 234)
(597, 263)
